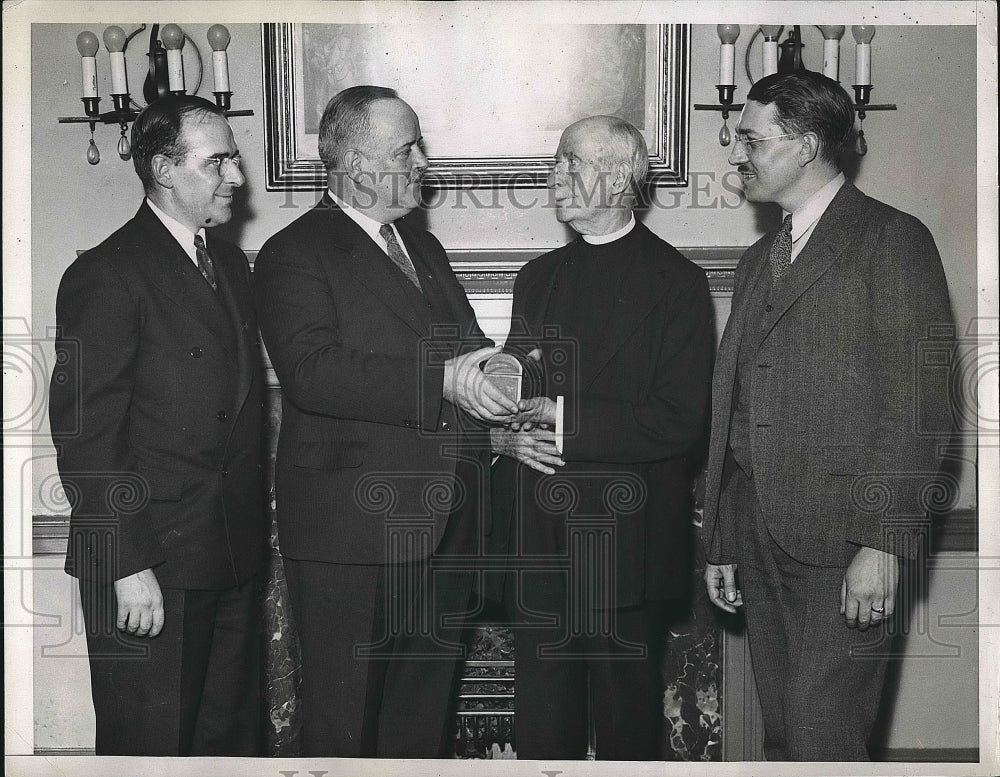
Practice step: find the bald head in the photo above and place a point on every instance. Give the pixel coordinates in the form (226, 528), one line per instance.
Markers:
(617, 142)
(600, 163)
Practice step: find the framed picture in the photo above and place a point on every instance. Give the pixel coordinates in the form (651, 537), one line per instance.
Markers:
(492, 101)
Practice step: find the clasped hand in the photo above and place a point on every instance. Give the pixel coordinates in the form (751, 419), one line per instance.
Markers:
(466, 386)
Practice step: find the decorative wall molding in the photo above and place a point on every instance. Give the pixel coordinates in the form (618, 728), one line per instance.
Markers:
(490, 272)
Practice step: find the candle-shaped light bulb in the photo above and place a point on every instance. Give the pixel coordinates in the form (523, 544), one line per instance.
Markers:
(769, 49)
(218, 39)
(863, 34)
(173, 40)
(114, 39)
(832, 33)
(728, 33)
(87, 44)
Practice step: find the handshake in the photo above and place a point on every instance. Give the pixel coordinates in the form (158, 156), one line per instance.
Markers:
(523, 427)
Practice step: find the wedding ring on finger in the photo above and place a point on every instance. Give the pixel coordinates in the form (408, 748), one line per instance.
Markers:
(879, 610)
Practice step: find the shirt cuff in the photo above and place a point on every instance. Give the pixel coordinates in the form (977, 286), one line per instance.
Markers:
(560, 411)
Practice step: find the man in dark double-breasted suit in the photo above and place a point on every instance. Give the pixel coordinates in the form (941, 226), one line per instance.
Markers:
(156, 415)
(596, 481)
(826, 422)
(382, 476)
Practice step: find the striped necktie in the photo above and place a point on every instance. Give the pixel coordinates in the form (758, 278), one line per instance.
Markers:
(781, 250)
(205, 264)
(398, 256)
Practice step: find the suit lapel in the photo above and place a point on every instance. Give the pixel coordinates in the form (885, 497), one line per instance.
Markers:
(236, 302)
(828, 242)
(369, 264)
(172, 271)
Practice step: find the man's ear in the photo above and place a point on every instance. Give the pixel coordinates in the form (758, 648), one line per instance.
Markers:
(622, 182)
(809, 149)
(354, 164)
(162, 167)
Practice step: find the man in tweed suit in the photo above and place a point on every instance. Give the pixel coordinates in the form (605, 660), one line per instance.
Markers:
(817, 403)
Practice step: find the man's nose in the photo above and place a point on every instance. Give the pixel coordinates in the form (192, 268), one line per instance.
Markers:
(420, 160)
(234, 176)
(739, 154)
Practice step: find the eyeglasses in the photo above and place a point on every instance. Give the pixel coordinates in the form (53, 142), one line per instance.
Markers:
(751, 142)
(220, 163)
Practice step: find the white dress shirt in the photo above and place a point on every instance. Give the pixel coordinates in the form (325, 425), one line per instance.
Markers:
(183, 235)
(804, 217)
(369, 225)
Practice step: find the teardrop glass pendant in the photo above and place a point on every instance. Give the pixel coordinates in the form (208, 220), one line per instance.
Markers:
(861, 145)
(93, 153)
(124, 148)
(725, 138)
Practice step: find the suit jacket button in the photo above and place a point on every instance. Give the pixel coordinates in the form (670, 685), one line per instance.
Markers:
(225, 473)
(222, 416)
(445, 425)
(195, 353)
(769, 308)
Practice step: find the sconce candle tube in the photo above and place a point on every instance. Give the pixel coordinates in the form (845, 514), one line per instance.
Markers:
(173, 41)
(863, 34)
(175, 70)
(769, 48)
(218, 39)
(89, 65)
(220, 68)
(114, 39)
(87, 45)
(728, 33)
(831, 59)
(863, 65)
(119, 77)
(832, 34)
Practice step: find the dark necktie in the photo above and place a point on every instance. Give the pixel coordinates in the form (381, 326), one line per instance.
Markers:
(205, 263)
(781, 250)
(398, 256)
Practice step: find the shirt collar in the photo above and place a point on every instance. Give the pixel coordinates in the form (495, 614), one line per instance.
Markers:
(597, 240)
(181, 233)
(367, 223)
(810, 211)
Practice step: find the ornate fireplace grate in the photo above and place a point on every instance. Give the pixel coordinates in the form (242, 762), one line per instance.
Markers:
(485, 709)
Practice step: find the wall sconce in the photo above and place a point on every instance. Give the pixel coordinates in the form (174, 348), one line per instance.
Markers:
(166, 76)
(790, 59)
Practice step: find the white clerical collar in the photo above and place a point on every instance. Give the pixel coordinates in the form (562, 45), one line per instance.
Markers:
(366, 222)
(598, 240)
(181, 233)
(809, 212)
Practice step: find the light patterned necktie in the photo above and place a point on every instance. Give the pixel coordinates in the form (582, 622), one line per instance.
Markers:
(398, 256)
(205, 263)
(781, 250)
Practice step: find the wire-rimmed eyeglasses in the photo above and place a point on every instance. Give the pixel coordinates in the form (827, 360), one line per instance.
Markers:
(740, 137)
(220, 163)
